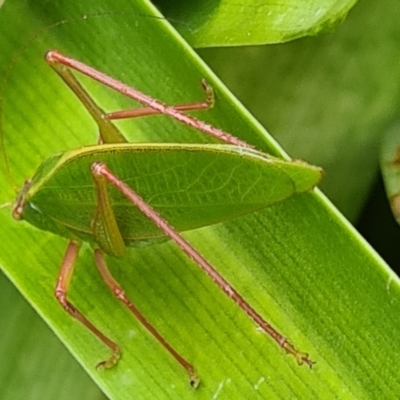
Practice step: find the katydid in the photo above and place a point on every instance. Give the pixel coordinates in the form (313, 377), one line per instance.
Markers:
(117, 194)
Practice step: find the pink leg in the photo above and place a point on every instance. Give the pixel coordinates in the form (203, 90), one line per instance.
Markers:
(54, 57)
(120, 295)
(143, 112)
(99, 169)
(63, 282)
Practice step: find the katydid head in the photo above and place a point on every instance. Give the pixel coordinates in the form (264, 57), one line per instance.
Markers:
(26, 209)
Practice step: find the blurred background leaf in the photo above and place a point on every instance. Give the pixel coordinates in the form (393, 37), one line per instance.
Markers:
(329, 100)
(208, 23)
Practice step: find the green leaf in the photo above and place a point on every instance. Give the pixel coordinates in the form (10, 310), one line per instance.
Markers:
(210, 23)
(326, 99)
(35, 364)
(299, 263)
(390, 168)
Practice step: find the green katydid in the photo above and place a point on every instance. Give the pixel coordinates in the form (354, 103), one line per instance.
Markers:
(117, 194)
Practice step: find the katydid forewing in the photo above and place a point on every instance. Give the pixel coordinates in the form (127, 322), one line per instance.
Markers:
(111, 218)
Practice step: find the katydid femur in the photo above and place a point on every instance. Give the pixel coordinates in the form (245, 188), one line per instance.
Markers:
(115, 214)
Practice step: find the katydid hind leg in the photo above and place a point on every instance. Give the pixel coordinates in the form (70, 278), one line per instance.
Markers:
(59, 62)
(104, 225)
(109, 239)
(143, 112)
(61, 291)
(109, 133)
(100, 169)
(119, 293)
(103, 119)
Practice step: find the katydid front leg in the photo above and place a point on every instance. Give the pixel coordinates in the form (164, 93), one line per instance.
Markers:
(102, 174)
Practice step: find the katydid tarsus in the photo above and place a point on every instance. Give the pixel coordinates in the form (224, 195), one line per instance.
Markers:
(106, 195)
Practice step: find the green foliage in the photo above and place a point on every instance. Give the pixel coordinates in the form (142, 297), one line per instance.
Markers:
(207, 23)
(390, 168)
(299, 262)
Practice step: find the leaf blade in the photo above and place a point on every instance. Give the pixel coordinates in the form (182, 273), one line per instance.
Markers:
(227, 23)
(298, 262)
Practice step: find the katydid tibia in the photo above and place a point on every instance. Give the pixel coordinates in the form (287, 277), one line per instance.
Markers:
(106, 195)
